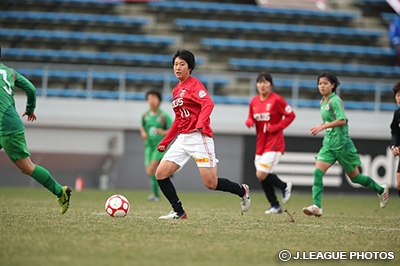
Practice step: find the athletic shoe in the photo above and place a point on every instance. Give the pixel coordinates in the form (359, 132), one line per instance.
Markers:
(384, 197)
(287, 192)
(245, 200)
(274, 210)
(313, 210)
(64, 199)
(173, 215)
(153, 197)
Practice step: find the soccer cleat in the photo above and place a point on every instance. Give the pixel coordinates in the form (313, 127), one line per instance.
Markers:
(64, 199)
(287, 192)
(384, 197)
(153, 197)
(313, 210)
(173, 215)
(274, 210)
(245, 200)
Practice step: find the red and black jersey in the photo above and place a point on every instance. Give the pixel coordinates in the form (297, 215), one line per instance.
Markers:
(270, 117)
(192, 106)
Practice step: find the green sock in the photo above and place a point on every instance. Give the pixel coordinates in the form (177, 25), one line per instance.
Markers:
(154, 185)
(318, 187)
(43, 176)
(367, 182)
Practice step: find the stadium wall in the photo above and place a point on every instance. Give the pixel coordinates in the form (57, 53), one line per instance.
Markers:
(89, 137)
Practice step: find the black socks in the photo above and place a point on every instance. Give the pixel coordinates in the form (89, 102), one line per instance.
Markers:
(169, 192)
(229, 186)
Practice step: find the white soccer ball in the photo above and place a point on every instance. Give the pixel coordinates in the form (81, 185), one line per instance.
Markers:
(117, 206)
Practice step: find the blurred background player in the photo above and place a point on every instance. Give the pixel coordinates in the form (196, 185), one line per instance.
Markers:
(394, 36)
(192, 106)
(12, 132)
(395, 132)
(155, 124)
(270, 114)
(337, 146)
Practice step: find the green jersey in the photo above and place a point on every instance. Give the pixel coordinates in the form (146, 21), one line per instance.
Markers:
(336, 138)
(10, 121)
(151, 121)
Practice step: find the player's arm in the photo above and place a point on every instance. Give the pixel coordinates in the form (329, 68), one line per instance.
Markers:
(285, 110)
(201, 95)
(168, 123)
(340, 118)
(30, 91)
(250, 117)
(143, 132)
(171, 134)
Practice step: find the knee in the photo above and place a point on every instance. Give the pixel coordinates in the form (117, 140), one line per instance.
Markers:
(27, 170)
(211, 185)
(261, 175)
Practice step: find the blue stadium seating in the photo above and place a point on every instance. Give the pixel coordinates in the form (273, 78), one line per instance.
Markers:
(103, 76)
(278, 29)
(75, 36)
(314, 67)
(308, 48)
(73, 18)
(252, 10)
(91, 3)
(135, 59)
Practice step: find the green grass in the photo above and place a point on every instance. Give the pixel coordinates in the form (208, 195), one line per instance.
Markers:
(32, 232)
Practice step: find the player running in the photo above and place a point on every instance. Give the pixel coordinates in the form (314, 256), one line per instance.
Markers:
(192, 106)
(155, 124)
(12, 133)
(395, 132)
(337, 146)
(270, 114)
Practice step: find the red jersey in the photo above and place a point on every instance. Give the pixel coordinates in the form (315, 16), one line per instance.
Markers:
(270, 117)
(192, 106)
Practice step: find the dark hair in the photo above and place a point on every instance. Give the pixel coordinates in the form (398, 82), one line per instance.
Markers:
(186, 55)
(331, 77)
(396, 88)
(154, 92)
(266, 76)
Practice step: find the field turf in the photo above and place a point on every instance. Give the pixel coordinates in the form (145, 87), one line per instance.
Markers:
(32, 232)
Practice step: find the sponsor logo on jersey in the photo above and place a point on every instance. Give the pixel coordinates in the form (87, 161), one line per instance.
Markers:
(202, 93)
(202, 160)
(261, 116)
(177, 102)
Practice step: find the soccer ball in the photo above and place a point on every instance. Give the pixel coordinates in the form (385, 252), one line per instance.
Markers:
(117, 206)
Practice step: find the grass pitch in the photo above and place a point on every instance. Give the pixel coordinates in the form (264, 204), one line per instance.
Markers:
(32, 232)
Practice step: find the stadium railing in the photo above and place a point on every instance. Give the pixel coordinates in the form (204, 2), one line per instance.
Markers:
(77, 36)
(251, 10)
(305, 48)
(48, 55)
(217, 26)
(73, 18)
(312, 67)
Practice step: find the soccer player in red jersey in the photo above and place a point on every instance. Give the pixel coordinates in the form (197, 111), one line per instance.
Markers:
(270, 114)
(192, 107)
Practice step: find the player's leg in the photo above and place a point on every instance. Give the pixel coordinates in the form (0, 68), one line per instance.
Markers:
(398, 177)
(204, 154)
(15, 147)
(350, 162)
(174, 159)
(325, 159)
(153, 157)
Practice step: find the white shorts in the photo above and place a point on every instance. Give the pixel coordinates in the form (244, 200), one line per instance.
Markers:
(267, 162)
(194, 145)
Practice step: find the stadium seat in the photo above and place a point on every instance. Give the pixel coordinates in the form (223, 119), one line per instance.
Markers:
(312, 67)
(305, 48)
(73, 18)
(387, 17)
(249, 10)
(189, 25)
(76, 36)
(136, 59)
(108, 76)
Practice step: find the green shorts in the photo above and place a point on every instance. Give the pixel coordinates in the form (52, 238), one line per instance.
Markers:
(347, 159)
(152, 154)
(15, 146)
